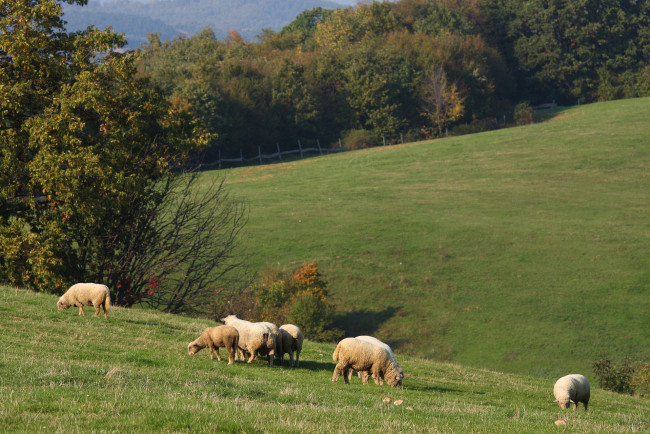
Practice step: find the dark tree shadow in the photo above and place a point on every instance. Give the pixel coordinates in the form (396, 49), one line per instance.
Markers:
(363, 321)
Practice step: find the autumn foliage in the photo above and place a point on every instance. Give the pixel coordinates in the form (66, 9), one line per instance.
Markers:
(299, 297)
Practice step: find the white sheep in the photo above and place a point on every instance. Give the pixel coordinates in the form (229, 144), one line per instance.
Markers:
(254, 338)
(292, 339)
(215, 337)
(277, 339)
(374, 341)
(572, 389)
(89, 294)
(363, 356)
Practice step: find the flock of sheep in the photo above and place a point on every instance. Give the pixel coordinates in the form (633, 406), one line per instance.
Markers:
(367, 355)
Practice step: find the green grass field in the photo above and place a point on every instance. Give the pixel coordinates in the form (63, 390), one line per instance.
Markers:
(524, 250)
(60, 372)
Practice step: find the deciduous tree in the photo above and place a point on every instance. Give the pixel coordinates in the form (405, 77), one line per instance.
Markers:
(89, 156)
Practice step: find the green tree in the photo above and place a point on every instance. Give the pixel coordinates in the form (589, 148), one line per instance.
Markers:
(89, 152)
(561, 45)
(292, 99)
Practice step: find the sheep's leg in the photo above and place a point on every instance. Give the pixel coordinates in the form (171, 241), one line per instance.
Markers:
(232, 355)
(81, 310)
(347, 373)
(337, 372)
(216, 349)
(290, 358)
(297, 358)
(105, 310)
(251, 358)
(376, 375)
(97, 309)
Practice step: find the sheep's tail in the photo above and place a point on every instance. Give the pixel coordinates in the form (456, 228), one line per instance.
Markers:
(107, 302)
(335, 356)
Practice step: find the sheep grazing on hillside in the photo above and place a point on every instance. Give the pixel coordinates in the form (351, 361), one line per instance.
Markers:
(89, 294)
(374, 341)
(292, 340)
(572, 389)
(356, 354)
(215, 337)
(254, 338)
(277, 340)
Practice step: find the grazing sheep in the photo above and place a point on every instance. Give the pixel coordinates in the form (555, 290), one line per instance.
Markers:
(88, 294)
(254, 338)
(215, 337)
(572, 389)
(292, 339)
(374, 341)
(363, 356)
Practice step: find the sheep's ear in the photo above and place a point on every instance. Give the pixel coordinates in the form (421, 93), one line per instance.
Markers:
(265, 336)
(571, 401)
(557, 400)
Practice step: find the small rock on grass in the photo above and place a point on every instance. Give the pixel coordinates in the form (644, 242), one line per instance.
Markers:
(560, 422)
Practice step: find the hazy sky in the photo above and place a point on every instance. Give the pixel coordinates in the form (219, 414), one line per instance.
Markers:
(343, 2)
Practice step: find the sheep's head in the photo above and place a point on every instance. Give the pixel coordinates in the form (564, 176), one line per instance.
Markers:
(394, 376)
(565, 403)
(225, 320)
(193, 348)
(61, 305)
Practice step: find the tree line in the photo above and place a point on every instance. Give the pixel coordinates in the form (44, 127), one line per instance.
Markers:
(95, 142)
(411, 67)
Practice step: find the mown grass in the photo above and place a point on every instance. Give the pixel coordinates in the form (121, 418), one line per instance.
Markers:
(131, 373)
(523, 250)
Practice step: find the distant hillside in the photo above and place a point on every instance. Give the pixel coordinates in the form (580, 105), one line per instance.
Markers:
(520, 250)
(188, 17)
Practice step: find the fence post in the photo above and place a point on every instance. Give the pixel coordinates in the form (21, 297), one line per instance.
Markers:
(259, 154)
(319, 148)
(300, 147)
(340, 144)
(383, 138)
(241, 156)
(279, 153)
(401, 138)
(219, 150)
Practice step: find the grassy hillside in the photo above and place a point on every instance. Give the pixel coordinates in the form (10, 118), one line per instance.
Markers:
(131, 373)
(523, 250)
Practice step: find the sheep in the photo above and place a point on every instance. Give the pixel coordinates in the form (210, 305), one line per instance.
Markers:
(363, 356)
(374, 341)
(215, 337)
(81, 294)
(292, 340)
(254, 338)
(572, 389)
(277, 339)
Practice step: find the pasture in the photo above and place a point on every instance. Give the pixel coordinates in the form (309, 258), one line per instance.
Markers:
(131, 373)
(523, 250)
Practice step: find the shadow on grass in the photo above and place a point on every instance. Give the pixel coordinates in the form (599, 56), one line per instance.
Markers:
(432, 389)
(152, 323)
(363, 321)
(313, 365)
